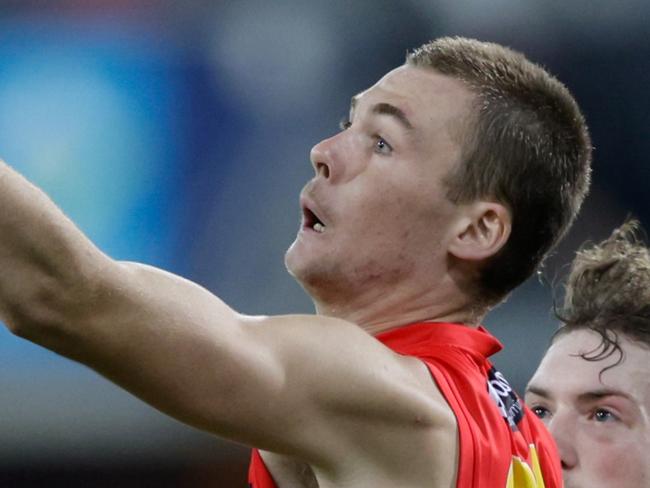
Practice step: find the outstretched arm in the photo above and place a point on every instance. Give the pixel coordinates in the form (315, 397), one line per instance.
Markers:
(289, 384)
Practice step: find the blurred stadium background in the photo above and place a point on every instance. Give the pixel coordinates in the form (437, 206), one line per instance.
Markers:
(178, 134)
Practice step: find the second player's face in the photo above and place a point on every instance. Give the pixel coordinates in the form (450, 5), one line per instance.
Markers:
(601, 422)
(376, 210)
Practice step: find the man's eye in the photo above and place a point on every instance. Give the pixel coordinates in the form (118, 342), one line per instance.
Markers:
(382, 147)
(603, 415)
(541, 412)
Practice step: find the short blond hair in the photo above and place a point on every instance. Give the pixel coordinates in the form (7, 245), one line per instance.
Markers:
(527, 147)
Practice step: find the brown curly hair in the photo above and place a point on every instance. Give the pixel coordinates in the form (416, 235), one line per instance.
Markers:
(608, 292)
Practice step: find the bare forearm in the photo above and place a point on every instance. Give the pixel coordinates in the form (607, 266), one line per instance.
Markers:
(145, 329)
(45, 260)
(167, 340)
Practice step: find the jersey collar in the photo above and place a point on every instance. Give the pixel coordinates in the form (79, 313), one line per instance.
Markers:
(412, 338)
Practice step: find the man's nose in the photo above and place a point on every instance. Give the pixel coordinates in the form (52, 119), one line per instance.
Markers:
(322, 157)
(561, 428)
(339, 158)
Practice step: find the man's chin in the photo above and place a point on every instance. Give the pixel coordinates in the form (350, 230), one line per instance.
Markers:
(291, 261)
(300, 263)
(299, 273)
(312, 276)
(298, 268)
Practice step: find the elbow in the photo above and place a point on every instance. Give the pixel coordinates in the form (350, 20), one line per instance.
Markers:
(50, 306)
(33, 310)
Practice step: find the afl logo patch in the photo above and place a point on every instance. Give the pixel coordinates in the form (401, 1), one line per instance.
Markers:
(505, 398)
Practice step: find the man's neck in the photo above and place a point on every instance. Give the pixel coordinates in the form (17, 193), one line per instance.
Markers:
(377, 310)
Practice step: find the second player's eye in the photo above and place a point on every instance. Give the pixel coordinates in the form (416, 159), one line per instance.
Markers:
(541, 412)
(603, 415)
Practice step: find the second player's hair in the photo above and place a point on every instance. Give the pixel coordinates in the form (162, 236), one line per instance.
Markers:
(608, 291)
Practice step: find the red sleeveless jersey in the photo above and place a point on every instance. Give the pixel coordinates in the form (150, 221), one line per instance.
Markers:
(502, 444)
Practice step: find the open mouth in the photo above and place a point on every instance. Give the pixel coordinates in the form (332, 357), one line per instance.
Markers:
(311, 221)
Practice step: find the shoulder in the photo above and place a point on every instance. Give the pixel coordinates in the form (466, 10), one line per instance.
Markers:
(360, 399)
(351, 373)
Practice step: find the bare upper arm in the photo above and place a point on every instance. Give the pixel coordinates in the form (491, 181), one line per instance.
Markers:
(287, 384)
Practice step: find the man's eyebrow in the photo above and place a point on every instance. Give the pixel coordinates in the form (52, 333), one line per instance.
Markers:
(593, 395)
(393, 111)
(384, 108)
(586, 397)
(536, 390)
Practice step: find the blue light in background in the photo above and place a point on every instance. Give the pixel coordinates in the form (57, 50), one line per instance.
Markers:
(91, 121)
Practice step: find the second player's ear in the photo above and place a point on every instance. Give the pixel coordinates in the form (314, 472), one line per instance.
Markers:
(482, 231)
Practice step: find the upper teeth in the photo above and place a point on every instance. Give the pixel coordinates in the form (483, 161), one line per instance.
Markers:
(318, 227)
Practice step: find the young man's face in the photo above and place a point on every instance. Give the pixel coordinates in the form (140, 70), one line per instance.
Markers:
(601, 423)
(375, 213)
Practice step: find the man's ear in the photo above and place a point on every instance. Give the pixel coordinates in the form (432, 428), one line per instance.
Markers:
(482, 231)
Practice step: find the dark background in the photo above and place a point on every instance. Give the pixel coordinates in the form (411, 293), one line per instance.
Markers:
(178, 134)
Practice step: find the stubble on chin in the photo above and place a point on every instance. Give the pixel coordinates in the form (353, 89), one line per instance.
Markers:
(322, 283)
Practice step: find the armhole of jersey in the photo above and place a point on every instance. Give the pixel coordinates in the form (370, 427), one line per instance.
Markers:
(464, 475)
